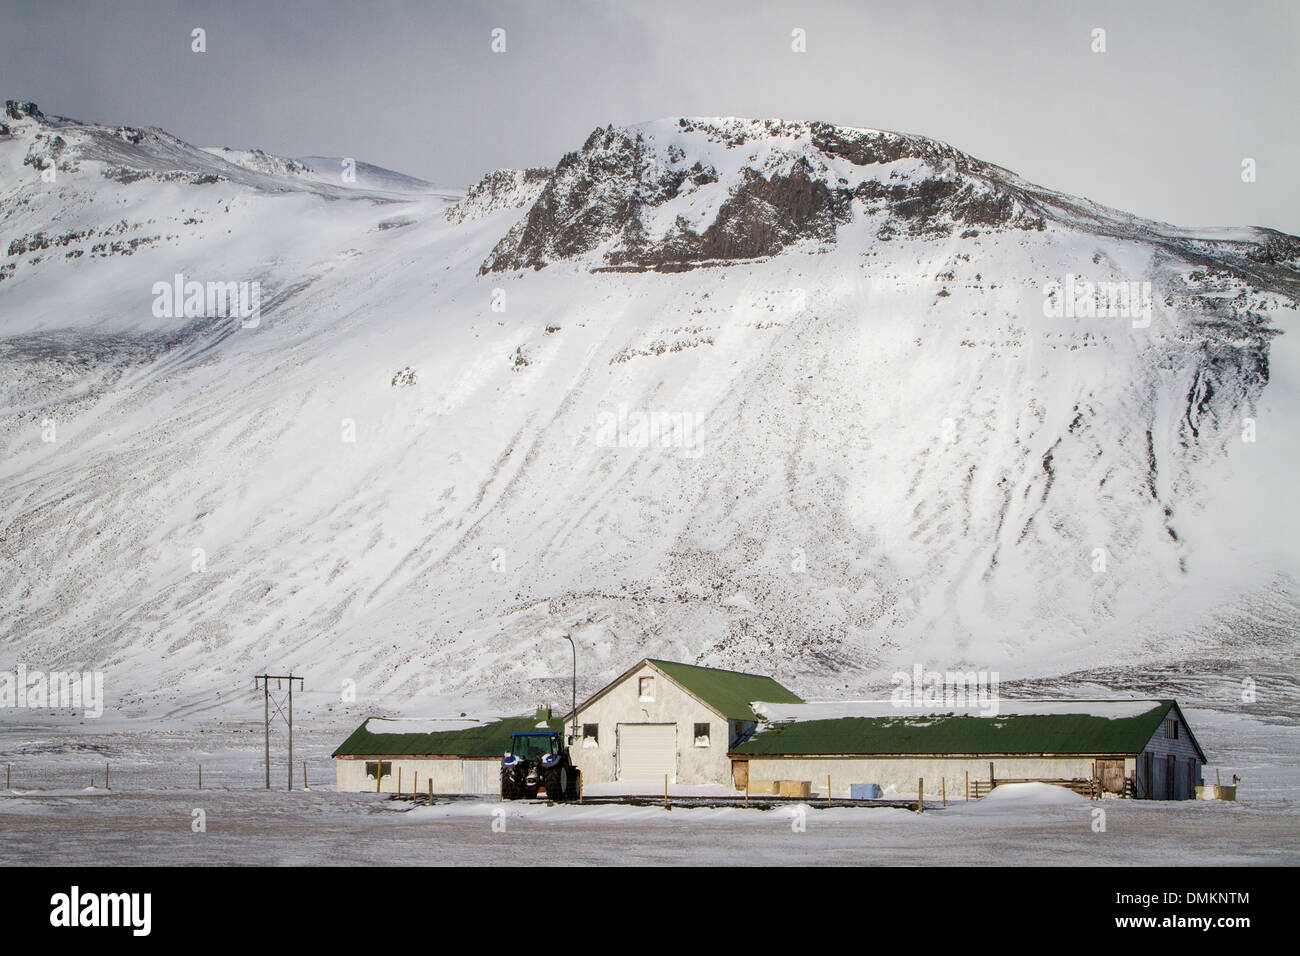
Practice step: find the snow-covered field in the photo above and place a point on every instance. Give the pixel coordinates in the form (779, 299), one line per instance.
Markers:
(324, 828)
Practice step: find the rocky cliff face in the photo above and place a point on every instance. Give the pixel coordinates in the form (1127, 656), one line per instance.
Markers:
(654, 197)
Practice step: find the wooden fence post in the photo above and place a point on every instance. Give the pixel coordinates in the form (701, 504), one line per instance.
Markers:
(944, 785)
(968, 786)
(200, 776)
(430, 789)
(399, 781)
(665, 791)
(920, 794)
(828, 790)
(304, 775)
(106, 783)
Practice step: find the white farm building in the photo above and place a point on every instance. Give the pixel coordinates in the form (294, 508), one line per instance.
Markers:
(1134, 748)
(663, 718)
(460, 755)
(687, 724)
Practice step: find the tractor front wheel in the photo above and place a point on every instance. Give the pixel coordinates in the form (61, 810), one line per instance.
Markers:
(509, 788)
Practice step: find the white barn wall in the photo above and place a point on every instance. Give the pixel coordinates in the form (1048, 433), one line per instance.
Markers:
(448, 773)
(622, 704)
(902, 773)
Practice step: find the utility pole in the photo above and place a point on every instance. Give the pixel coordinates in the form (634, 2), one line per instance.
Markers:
(288, 718)
(573, 714)
(266, 728)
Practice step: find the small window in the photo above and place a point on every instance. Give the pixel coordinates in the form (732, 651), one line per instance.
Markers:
(590, 735)
(647, 688)
(1171, 729)
(385, 768)
(701, 735)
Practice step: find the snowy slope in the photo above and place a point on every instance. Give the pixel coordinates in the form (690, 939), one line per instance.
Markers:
(332, 170)
(369, 176)
(876, 447)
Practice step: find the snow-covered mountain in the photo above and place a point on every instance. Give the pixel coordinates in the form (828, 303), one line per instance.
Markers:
(781, 396)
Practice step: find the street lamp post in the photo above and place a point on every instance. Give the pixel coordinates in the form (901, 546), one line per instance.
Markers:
(573, 714)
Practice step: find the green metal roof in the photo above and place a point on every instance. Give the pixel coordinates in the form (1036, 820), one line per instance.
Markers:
(1058, 733)
(484, 740)
(727, 692)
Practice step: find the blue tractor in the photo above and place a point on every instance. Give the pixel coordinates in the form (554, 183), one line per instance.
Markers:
(538, 763)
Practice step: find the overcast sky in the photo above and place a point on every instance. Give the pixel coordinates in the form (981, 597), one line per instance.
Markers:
(1158, 124)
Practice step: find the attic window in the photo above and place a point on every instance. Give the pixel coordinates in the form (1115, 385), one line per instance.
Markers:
(1171, 729)
(701, 735)
(384, 767)
(647, 688)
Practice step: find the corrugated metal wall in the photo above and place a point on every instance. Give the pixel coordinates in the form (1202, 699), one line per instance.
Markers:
(481, 776)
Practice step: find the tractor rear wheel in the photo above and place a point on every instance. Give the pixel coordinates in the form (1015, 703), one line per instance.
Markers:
(557, 783)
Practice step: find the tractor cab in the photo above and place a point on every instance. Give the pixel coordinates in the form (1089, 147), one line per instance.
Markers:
(534, 746)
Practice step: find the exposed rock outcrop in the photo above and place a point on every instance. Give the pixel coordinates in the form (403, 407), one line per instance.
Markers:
(652, 196)
(499, 190)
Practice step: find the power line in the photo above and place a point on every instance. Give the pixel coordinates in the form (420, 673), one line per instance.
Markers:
(288, 718)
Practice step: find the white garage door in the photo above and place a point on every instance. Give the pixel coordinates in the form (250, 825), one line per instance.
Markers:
(647, 752)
